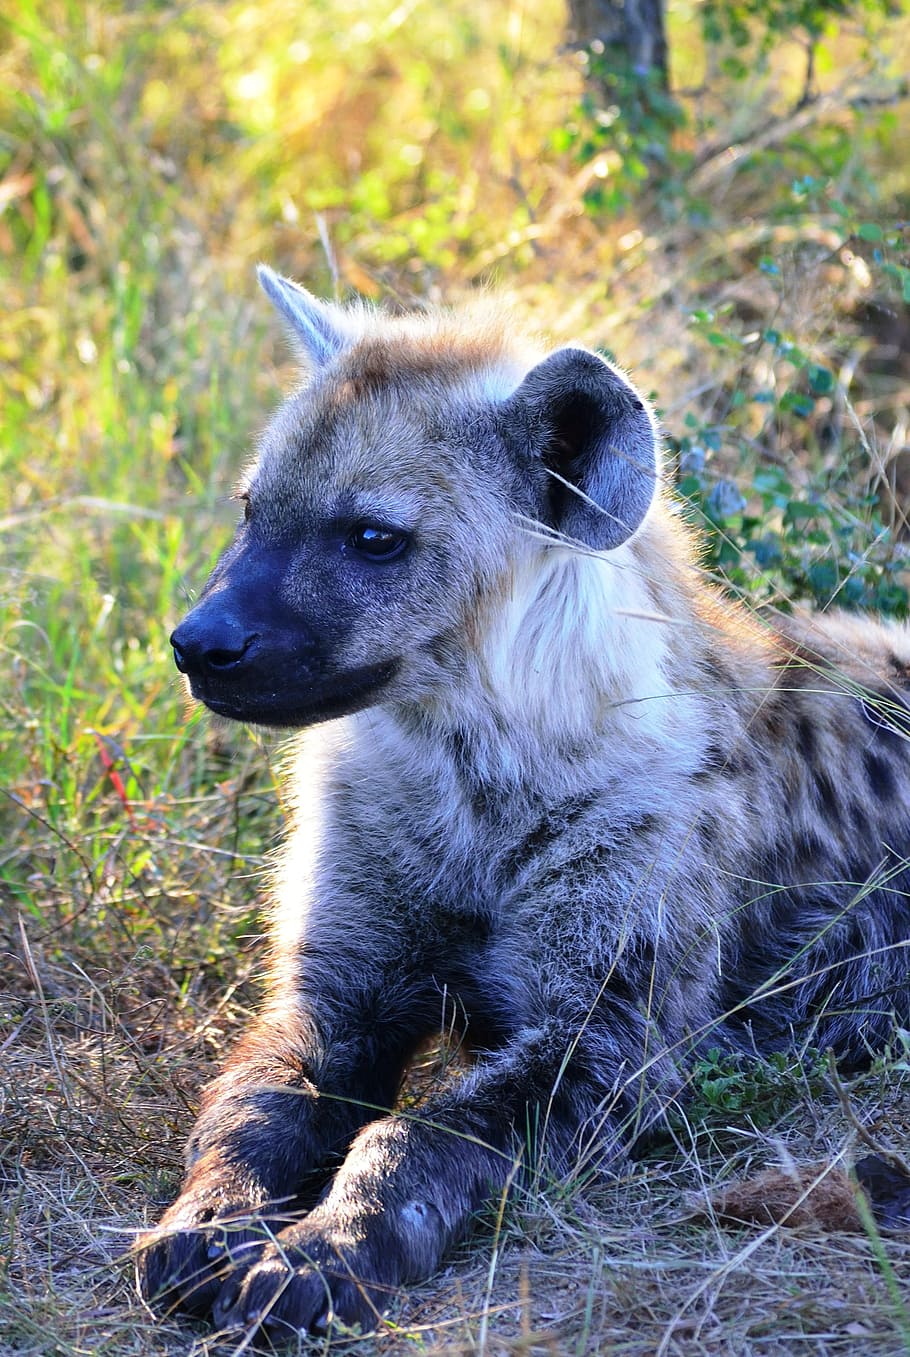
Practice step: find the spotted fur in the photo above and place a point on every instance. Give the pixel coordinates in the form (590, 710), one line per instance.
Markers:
(554, 791)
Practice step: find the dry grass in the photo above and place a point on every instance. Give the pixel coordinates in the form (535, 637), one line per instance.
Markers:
(96, 1106)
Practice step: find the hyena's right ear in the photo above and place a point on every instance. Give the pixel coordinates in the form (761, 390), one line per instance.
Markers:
(588, 426)
(315, 325)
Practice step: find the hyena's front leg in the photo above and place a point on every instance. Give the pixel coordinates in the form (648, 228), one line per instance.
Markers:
(272, 1126)
(410, 1185)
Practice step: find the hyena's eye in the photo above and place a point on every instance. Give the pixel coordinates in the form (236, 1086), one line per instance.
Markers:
(376, 543)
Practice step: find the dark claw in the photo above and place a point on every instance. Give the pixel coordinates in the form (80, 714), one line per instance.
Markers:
(225, 1300)
(275, 1327)
(187, 1269)
(172, 1274)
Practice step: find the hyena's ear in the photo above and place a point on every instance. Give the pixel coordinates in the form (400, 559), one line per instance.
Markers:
(589, 426)
(315, 325)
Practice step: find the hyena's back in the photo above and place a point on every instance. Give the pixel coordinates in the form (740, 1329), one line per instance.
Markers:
(818, 947)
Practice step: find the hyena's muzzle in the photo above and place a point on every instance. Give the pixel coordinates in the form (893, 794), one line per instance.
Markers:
(250, 655)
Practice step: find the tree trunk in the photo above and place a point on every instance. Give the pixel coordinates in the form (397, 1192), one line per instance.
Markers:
(629, 33)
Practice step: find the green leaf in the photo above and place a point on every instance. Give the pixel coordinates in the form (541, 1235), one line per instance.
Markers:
(767, 550)
(821, 379)
(870, 230)
(797, 403)
(799, 510)
(771, 480)
(793, 353)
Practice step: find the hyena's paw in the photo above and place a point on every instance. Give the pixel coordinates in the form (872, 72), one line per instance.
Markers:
(182, 1263)
(282, 1299)
(327, 1271)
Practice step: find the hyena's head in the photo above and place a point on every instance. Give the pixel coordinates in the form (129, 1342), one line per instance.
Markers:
(392, 497)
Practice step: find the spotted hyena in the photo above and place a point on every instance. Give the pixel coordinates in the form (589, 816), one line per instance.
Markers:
(558, 785)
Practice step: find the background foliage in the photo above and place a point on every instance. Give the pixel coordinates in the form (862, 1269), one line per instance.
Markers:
(739, 243)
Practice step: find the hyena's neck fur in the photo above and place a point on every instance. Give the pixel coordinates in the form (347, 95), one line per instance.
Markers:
(588, 666)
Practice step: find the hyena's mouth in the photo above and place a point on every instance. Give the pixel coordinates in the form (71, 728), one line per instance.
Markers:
(296, 705)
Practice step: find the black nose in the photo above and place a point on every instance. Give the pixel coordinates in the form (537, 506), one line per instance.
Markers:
(210, 645)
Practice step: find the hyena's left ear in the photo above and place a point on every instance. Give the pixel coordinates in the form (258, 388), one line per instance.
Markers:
(589, 426)
(315, 325)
